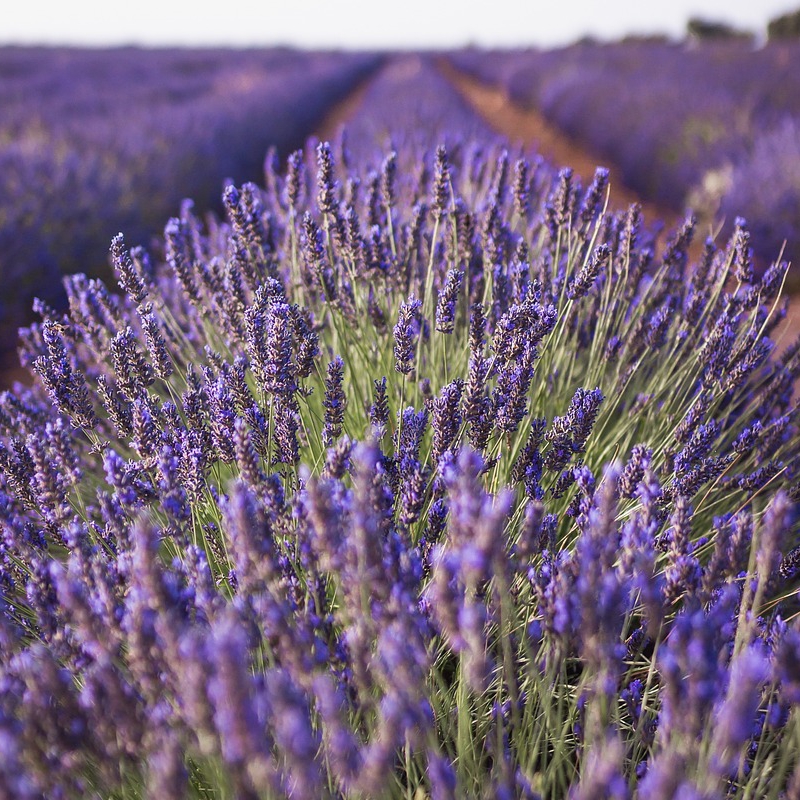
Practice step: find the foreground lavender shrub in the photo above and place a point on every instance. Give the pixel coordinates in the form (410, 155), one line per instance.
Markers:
(431, 483)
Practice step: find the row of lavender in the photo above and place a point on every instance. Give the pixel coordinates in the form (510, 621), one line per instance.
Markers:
(715, 126)
(417, 476)
(94, 141)
(410, 104)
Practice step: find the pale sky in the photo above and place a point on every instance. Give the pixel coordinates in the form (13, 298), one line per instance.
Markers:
(362, 23)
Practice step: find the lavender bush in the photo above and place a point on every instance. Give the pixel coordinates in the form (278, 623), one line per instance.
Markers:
(97, 141)
(445, 484)
(766, 182)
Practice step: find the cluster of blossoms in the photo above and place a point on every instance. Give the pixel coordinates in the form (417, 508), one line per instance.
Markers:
(437, 479)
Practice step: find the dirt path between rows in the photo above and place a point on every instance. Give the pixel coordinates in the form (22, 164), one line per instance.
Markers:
(530, 128)
(337, 118)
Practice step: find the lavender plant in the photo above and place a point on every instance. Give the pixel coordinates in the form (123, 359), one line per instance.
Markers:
(447, 482)
(94, 141)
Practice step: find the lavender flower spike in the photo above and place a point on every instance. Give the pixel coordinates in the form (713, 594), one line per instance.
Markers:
(334, 402)
(404, 335)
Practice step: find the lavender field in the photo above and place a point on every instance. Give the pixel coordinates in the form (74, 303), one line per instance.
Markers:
(93, 142)
(415, 466)
(714, 126)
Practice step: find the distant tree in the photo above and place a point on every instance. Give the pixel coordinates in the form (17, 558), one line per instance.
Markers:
(787, 26)
(707, 29)
(645, 38)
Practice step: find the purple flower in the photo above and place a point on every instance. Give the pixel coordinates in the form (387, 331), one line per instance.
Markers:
(593, 199)
(222, 417)
(511, 395)
(294, 736)
(129, 279)
(477, 403)
(146, 432)
(65, 385)
(732, 543)
(601, 773)
(167, 776)
(116, 406)
(340, 745)
(742, 252)
(334, 403)
(294, 184)
(411, 429)
(655, 334)
(379, 410)
(697, 448)
(446, 304)
(412, 490)
(664, 779)
(787, 666)
(560, 205)
(527, 468)
(156, 344)
(580, 285)
(388, 178)
(306, 340)
(269, 338)
(441, 777)
(747, 439)
(244, 743)
(121, 478)
(446, 418)
(568, 434)
(172, 496)
(287, 430)
(599, 593)
(131, 369)
(716, 351)
(692, 668)
(405, 332)
(735, 717)
(634, 470)
(326, 198)
(441, 184)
